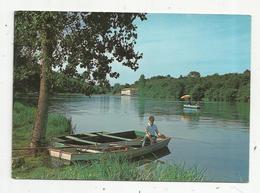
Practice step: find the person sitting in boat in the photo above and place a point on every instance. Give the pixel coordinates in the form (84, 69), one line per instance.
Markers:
(151, 132)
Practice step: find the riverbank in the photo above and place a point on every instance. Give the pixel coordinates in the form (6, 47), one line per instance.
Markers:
(108, 168)
(23, 118)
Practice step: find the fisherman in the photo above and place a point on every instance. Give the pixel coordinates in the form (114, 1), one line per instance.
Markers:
(151, 132)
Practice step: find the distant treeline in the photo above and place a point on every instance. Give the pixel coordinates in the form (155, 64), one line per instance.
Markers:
(232, 87)
(59, 83)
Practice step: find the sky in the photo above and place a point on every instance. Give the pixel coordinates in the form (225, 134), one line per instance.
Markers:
(175, 44)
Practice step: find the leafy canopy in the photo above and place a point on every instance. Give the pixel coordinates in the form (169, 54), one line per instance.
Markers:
(77, 40)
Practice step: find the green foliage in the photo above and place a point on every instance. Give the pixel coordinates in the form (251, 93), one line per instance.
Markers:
(65, 84)
(228, 87)
(194, 74)
(116, 89)
(197, 92)
(74, 40)
(243, 93)
(26, 73)
(78, 45)
(141, 81)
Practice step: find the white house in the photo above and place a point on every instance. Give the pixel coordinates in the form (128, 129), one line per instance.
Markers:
(129, 91)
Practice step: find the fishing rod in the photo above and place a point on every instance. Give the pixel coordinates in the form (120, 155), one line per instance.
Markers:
(189, 139)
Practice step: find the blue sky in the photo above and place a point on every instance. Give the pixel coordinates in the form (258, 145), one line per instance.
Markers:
(176, 44)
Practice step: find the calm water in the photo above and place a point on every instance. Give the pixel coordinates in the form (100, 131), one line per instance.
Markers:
(215, 137)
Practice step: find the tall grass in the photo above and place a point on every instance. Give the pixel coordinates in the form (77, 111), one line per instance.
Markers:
(23, 115)
(23, 120)
(117, 169)
(58, 125)
(179, 173)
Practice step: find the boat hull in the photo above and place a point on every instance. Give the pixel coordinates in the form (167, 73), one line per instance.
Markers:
(191, 106)
(130, 148)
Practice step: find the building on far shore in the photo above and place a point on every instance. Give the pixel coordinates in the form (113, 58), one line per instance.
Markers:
(129, 91)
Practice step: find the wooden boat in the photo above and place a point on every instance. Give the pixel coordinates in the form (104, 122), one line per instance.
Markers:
(191, 106)
(91, 146)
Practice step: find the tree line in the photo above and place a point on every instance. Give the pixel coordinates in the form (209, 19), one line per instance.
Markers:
(231, 87)
(59, 83)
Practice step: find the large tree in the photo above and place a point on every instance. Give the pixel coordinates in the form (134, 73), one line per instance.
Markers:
(82, 45)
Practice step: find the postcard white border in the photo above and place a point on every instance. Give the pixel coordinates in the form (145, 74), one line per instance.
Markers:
(7, 184)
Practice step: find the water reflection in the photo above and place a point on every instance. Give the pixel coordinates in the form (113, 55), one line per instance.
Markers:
(125, 100)
(140, 105)
(190, 115)
(104, 103)
(154, 156)
(186, 117)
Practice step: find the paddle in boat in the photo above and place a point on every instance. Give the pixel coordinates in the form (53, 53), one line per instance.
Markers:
(91, 146)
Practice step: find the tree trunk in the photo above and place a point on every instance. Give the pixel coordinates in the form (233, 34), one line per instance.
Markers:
(39, 130)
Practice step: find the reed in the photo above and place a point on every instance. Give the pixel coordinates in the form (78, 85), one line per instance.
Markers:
(58, 125)
(117, 169)
(179, 173)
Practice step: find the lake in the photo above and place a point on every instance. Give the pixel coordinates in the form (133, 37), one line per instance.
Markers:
(215, 138)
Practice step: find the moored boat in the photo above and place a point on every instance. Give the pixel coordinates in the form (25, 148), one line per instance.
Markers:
(191, 106)
(91, 146)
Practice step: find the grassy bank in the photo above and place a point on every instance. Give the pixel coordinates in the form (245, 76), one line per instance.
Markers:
(116, 169)
(23, 120)
(110, 167)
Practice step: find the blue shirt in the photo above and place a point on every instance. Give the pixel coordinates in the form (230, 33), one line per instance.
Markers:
(151, 129)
